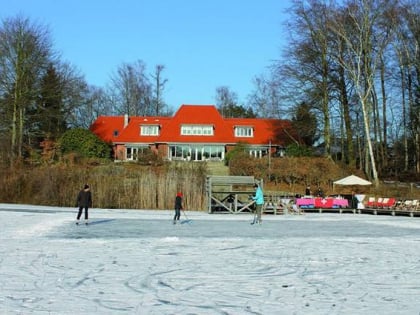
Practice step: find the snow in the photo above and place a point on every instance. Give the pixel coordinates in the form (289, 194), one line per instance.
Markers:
(138, 262)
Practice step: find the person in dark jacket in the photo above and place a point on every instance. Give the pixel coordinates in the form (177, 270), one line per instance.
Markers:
(178, 207)
(84, 201)
(354, 201)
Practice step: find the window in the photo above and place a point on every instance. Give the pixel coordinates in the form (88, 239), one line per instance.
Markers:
(196, 130)
(149, 130)
(244, 131)
(132, 153)
(196, 152)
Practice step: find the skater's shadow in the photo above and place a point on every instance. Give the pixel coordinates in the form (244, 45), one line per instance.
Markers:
(100, 221)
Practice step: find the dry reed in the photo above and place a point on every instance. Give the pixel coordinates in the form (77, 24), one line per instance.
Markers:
(124, 186)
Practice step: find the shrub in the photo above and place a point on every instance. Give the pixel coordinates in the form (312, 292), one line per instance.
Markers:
(239, 151)
(148, 157)
(85, 143)
(298, 150)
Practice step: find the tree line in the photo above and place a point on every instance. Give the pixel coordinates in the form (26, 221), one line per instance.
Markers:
(42, 96)
(349, 79)
(354, 66)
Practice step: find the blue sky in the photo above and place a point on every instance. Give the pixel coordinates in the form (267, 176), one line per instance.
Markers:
(203, 44)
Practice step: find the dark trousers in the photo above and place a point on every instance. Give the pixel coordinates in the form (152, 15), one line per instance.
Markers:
(177, 214)
(80, 213)
(258, 210)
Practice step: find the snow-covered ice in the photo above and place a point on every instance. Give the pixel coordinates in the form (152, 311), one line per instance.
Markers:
(138, 262)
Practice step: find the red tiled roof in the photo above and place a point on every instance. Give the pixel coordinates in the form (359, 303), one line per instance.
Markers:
(111, 128)
(105, 126)
(132, 132)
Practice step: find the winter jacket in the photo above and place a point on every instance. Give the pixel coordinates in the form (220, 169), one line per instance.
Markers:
(259, 196)
(84, 198)
(178, 202)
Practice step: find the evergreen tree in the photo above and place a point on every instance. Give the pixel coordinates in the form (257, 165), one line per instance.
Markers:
(49, 121)
(305, 123)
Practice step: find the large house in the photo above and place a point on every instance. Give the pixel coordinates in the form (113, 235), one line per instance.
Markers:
(194, 133)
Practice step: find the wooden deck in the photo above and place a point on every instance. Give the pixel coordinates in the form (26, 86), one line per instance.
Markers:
(393, 212)
(226, 194)
(373, 211)
(330, 210)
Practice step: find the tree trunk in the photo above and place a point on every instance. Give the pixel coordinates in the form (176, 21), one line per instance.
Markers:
(384, 142)
(349, 153)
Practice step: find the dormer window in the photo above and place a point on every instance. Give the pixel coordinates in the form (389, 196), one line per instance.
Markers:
(149, 130)
(244, 131)
(115, 133)
(197, 130)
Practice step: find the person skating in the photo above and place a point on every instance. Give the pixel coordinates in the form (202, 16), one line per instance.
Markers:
(259, 202)
(84, 201)
(178, 207)
(354, 201)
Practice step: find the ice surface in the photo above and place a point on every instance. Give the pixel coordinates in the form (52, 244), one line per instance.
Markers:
(138, 262)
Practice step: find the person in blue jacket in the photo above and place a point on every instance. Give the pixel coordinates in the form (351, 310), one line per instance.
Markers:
(259, 201)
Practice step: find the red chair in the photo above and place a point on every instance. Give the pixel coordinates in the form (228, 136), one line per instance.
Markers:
(379, 202)
(370, 203)
(390, 204)
(384, 203)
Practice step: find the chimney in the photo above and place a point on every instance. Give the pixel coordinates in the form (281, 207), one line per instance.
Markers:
(126, 120)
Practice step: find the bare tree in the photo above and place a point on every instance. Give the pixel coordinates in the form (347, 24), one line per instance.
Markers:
(160, 83)
(225, 98)
(132, 90)
(227, 104)
(25, 53)
(406, 46)
(74, 90)
(365, 49)
(309, 61)
(314, 19)
(341, 85)
(95, 102)
(266, 99)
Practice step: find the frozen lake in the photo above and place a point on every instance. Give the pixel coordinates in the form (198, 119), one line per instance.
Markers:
(138, 262)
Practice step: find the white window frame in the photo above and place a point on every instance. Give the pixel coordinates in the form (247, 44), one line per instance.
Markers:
(132, 153)
(244, 131)
(197, 130)
(149, 130)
